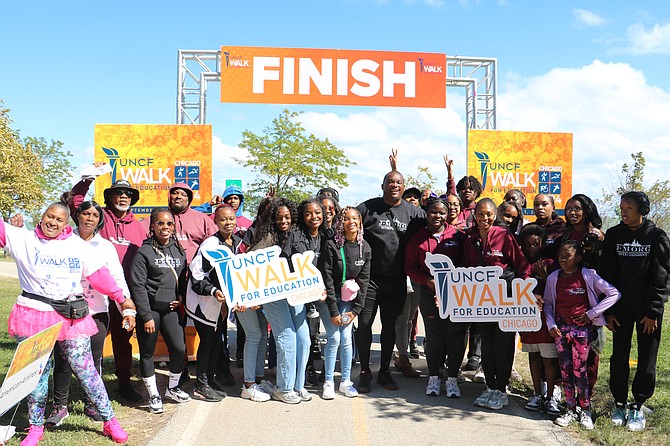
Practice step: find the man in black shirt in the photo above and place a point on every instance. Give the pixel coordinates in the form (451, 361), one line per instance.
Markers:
(387, 223)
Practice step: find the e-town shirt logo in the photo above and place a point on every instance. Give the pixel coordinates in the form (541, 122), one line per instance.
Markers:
(632, 249)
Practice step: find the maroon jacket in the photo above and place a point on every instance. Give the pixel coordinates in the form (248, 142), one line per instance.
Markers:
(126, 234)
(501, 248)
(423, 242)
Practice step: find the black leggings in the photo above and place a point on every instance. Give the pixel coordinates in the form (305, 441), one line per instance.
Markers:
(211, 346)
(62, 370)
(497, 355)
(167, 323)
(388, 294)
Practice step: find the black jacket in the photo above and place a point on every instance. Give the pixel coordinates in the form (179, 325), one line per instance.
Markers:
(358, 267)
(638, 264)
(153, 284)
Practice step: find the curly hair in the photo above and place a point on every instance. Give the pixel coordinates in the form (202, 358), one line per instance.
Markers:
(301, 215)
(339, 227)
(266, 222)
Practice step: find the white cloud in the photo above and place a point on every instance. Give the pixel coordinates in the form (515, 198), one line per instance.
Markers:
(586, 18)
(640, 40)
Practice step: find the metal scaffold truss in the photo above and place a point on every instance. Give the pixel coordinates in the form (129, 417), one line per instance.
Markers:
(478, 75)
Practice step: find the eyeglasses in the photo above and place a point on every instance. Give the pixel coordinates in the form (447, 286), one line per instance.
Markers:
(168, 223)
(453, 205)
(119, 192)
(576, 210)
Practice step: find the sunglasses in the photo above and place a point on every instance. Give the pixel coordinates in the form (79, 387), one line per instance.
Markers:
(168, 223)
(119, 192)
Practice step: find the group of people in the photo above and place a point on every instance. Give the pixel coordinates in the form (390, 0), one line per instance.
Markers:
(371, 258)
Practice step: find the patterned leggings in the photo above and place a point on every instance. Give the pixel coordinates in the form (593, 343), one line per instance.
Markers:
(77, 352)
(573, 350)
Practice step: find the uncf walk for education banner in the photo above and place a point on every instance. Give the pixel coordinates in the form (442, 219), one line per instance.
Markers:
(332, 77)
(153, 157)
(533, 162)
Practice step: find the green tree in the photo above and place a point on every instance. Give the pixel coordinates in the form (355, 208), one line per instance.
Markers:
(56, 175)
(632, 177)
(423, 180)
(20, 169)
(286, 158)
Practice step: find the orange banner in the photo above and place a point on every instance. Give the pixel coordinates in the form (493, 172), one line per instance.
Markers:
(153, 157)
(332, 77)
(533, 162)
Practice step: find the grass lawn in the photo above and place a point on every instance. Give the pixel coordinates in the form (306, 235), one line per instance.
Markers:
(77, 428)
(658, 422)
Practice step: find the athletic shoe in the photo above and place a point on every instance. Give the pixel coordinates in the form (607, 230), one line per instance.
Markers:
(155, 404)
(348, 389)
(328, 392)
(266, 386)
(385, 380)
(311, 378)
(516, 376)
(479, 375)
(619, 415)
(127, 392)
(451, 388)
(558, 395)
(551, 406)
(472, 364)
(113, 430)
(304, 395)
(483, 399)
(585, 420)
(534, 403)
(364, 380)
(312, 312)
(289, 397)
(204, 392)
(414, 350)
(177, 395)
(498, 400)
(636, 420)
(564, 420)
(254, 393)
(460, 379)
(433, 387)
(35, 434)
(91, 412)
(58, 414)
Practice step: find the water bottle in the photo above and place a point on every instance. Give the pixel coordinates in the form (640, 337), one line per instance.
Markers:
(345, 318)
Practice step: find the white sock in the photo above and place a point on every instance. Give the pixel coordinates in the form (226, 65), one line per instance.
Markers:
(150, 384)
(174, 380)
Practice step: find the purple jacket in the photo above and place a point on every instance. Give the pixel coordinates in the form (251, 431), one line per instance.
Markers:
(595, 286)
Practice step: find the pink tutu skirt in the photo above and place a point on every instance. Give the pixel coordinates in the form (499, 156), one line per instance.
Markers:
(25, 322)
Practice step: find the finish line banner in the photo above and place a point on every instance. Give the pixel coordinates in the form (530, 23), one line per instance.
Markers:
(152, 157)
(333, 77)
(480, 295)
(262, 276)
(533, 162)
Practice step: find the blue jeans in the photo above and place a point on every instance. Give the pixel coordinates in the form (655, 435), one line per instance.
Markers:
(291, 333)
(255, 345)
(337, 336)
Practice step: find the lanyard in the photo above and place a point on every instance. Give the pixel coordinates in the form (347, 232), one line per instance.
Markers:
(344, 265)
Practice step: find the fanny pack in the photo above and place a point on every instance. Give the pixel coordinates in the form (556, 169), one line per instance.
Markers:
(74, 307)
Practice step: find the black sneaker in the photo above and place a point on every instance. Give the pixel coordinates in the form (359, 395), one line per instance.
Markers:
(311, 378)
(58, 414)
(91, 412)
(364, 380)
(471, 365)
(385, 380)
(206, 393)
(127, 392)
(414, 350)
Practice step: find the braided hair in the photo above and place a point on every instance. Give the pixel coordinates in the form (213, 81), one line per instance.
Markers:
(154, 241)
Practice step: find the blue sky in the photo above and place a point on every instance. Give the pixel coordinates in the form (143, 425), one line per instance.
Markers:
(597, 69)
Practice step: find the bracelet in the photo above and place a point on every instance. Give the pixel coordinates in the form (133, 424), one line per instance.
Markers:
(129, 312)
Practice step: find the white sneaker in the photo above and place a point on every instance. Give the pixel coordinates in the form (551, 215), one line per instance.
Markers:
(328, 392)
(636, 420)
(348, 389)
(433, 387)
(483, 399)
(155, 404)
(498, 400)
(266, 386)
(304, 395)
(479, 375)
(451, 388)
(177, 395)
(558, 395)
(585, 420)
(564, 420)
(551, 407)
(254, 393)
(289, 397)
